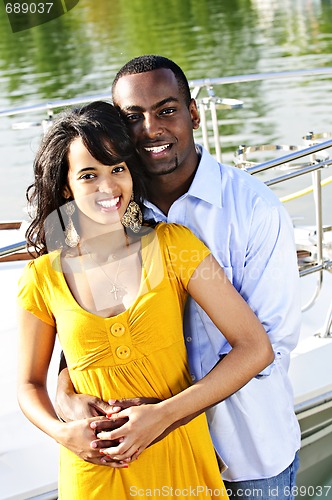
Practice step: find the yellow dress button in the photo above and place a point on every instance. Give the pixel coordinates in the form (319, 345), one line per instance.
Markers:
(123, 352)
(117, 329)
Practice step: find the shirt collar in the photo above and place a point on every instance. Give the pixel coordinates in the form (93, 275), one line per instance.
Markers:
(206, 184)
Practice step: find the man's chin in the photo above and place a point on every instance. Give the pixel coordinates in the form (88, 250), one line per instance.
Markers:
(159, 170)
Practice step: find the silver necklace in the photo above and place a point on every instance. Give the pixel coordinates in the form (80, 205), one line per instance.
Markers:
(116, 287)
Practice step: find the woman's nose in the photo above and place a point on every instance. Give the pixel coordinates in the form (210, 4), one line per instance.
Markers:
(107, 184)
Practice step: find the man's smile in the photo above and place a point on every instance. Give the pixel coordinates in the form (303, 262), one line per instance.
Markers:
(157, 149)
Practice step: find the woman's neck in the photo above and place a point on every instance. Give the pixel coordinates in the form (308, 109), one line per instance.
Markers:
(106, 246)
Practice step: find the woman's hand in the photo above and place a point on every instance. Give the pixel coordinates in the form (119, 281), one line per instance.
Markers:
(79, 437)
(144, 424)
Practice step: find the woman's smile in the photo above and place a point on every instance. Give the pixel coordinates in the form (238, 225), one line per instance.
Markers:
(109, 204)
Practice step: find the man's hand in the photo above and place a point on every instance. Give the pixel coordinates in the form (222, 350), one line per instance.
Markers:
(71, 406)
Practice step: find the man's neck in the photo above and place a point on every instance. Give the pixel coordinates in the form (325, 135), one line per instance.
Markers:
(164, 190)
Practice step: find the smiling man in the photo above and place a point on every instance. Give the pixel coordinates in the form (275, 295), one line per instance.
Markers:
(161, 123)
(255, 430)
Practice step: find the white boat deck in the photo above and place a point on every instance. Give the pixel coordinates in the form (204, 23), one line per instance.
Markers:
(28, 458)
(310, 368)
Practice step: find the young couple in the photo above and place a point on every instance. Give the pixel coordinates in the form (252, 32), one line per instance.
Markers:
(115, 292)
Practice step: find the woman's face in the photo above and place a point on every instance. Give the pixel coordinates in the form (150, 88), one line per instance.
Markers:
(101, 192)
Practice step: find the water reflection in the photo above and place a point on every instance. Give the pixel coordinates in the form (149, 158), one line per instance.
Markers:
(206, 37)
(80, 52)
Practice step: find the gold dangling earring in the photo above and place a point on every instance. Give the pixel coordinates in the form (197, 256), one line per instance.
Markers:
(72, 236)
(132, 217)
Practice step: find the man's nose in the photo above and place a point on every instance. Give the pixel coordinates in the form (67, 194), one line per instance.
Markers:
(152, 126)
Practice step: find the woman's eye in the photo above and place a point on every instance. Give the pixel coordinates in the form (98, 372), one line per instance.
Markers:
(119, 168)
(87, 177)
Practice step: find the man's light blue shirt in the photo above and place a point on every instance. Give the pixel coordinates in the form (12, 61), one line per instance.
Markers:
(249, 232)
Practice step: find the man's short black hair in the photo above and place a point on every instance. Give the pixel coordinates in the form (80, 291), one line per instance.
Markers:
(145, 63)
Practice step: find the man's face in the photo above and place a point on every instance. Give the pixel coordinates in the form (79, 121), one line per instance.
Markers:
(159, 121)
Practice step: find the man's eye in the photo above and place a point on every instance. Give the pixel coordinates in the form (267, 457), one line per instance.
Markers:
(132, 118)
(168, 111)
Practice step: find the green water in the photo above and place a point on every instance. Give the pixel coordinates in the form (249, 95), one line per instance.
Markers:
(80, 52)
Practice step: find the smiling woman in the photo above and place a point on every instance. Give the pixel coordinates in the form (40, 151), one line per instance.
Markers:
(101, 192)
(80, 154)
(102, 195)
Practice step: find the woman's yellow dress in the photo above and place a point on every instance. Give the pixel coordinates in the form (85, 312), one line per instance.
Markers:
(140, 352)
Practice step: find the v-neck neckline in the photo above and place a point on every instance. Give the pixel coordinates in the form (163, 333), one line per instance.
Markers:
(116, 316)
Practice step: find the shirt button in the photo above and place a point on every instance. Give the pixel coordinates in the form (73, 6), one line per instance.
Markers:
(123, 352)
(193, 377)
(117, 329)
(188, 339)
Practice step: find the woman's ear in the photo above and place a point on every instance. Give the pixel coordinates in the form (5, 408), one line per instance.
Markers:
(67, 193)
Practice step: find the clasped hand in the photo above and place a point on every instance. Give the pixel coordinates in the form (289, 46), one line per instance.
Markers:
(130, 427)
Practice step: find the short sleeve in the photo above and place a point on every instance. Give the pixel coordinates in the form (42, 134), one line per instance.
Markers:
(30, 295)
(185, 251)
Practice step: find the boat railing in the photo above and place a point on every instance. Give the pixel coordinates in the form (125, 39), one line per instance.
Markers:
(11, 249)
(315, 167)
(17, 250)
(203, 90)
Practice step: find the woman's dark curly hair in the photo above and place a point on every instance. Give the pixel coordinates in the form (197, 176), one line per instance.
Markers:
(104, 134)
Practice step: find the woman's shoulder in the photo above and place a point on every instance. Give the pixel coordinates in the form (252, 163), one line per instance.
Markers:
(172, 229)
(180, 237)
(43, 263)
